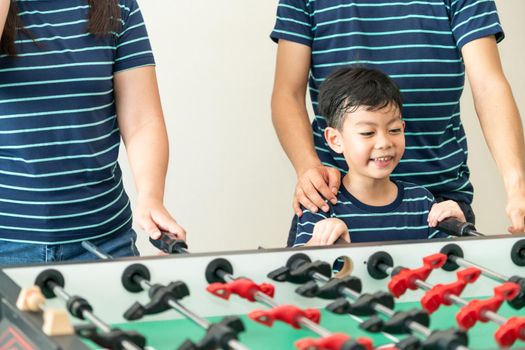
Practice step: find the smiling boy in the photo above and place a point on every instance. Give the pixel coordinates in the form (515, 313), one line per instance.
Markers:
(363, 110)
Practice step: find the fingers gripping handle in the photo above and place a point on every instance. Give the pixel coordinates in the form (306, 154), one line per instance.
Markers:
(454, 227)
(169, 243)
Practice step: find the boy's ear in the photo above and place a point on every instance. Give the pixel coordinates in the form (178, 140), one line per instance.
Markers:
(404, 125)
(334, 139)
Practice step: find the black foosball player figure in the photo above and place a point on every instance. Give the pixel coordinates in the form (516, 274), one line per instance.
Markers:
(219, 335)
(315, 280)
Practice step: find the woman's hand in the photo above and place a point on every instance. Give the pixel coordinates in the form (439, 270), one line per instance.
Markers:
(152, 217)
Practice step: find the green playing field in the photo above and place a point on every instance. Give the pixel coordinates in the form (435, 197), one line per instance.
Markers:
(163, 335)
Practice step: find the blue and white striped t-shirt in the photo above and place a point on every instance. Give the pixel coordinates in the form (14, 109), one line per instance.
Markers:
(59, 137)
(418, 44)
(404, 218)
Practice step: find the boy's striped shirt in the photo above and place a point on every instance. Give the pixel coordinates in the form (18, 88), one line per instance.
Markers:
(404, 218)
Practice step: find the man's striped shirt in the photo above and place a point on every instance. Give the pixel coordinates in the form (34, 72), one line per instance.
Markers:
(59, 138)
(418, 44)
(405, 218)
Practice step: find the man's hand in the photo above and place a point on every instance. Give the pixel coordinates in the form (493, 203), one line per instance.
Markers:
(314, 184)
(293, 127)
(443, 210)
(327, 231)
(516, 212)
(152, 217)
(504, 134)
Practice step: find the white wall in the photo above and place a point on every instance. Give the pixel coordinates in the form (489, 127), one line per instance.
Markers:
(229, 183)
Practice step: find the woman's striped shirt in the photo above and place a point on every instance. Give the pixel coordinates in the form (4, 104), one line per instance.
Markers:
(59, 138)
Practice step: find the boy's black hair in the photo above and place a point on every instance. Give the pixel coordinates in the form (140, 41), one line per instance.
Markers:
(347, 89)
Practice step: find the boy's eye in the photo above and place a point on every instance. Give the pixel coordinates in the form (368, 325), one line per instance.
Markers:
(367, 133)
(395, 131)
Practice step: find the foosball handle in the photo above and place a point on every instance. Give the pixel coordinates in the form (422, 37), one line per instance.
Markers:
(169, 243)
(341, 240)
(454, 227)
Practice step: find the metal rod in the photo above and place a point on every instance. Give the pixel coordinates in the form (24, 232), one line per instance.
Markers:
(414, 326)
(266, 300)
(184, 311)
(181, 250)
(175, 305)
(90, 247)
(59, 291)
(476, 233)
(486, 272)
(490, 315)
(233, 344)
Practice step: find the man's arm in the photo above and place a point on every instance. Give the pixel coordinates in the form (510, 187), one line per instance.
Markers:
(500, 122)
(291, 122)
(143, 131)
(4, 10)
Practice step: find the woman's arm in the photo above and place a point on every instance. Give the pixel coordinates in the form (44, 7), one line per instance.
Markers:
(143, 131)
(4, 9)
(500, 122)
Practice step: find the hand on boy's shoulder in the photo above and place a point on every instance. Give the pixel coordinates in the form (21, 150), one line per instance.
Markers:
(314, 185)
(327, 231)
(443, 210)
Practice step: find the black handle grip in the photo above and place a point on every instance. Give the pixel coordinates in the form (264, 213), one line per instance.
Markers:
(340, 240)
(169, 243)
(454, 227)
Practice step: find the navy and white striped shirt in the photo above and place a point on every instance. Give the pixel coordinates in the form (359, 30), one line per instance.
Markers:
(59, 138)
(418, 44)
(404, 218)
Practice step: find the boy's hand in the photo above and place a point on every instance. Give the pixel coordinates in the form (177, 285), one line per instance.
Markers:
(152, 217)
(516, 212)
(327, 231)
(443, 210)
(314, 184)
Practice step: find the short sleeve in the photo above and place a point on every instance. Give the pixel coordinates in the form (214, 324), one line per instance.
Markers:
(305, 225)
(474, 19)
(293, 22)
(133, 47)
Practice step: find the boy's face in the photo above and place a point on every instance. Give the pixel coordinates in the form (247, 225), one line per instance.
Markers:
(372, 142)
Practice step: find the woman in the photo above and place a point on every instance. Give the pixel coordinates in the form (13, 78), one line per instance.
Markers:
(75, 76)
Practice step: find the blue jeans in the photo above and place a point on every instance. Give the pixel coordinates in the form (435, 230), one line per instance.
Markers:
(116, 245)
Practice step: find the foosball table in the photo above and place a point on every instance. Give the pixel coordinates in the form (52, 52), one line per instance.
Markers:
(465, 293)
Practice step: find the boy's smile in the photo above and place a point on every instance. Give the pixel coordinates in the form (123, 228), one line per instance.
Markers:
(372, 141)
(382, 162)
